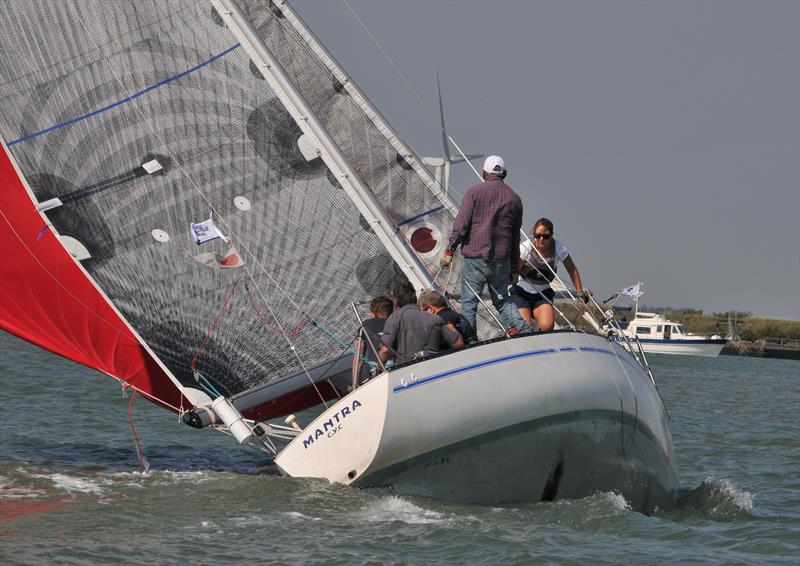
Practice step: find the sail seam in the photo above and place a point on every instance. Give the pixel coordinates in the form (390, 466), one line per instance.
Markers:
(420, 215)
(124, 100)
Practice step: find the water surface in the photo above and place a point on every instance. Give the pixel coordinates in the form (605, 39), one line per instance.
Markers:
(71, 493)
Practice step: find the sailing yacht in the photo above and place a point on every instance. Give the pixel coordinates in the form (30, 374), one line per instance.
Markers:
(196, 198)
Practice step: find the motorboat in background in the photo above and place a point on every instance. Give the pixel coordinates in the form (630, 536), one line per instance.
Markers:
(658, 335)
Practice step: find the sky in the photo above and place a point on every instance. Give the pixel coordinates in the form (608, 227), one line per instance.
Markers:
(662, 138)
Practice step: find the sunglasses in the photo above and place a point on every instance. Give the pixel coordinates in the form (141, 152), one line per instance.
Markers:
(542, 236)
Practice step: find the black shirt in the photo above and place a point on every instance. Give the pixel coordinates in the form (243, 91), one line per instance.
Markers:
(462, 324)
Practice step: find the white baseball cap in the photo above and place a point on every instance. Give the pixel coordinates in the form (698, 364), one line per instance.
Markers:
(494, 164)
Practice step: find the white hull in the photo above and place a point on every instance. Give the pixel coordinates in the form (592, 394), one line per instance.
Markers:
(709, 349)
(555, 415)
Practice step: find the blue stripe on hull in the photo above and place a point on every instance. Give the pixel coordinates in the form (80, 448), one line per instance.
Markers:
(504, 359)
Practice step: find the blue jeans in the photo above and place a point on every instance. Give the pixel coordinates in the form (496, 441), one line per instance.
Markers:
(477, 274)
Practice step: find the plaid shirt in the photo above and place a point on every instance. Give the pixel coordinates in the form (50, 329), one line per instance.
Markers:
(488, 223)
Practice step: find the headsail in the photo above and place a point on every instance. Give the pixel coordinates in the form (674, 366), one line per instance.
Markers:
(133, 123)
(46, 299)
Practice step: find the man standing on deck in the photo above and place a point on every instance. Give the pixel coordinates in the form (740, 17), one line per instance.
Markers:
(488, 229)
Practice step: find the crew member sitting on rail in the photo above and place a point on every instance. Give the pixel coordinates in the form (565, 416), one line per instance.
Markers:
(433, 302)
(369, 336)
(410, 332)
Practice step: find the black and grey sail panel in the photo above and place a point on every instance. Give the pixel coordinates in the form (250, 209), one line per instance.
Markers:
(145, 118)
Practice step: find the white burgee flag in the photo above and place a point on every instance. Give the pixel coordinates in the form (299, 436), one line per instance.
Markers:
(632, 291)
(206, 231)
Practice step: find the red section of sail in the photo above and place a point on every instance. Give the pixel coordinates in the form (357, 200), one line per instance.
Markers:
(46, 299)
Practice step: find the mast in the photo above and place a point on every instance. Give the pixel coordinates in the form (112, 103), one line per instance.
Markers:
(327, 148)
(363, 102)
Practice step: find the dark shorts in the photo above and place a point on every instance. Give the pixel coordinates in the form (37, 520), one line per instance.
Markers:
(524, 300)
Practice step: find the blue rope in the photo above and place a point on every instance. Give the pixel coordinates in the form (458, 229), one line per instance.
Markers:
(206, 383)
(421, 214)
(339, 341)
(124, 100)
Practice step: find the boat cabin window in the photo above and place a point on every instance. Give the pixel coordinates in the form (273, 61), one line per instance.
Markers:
(642, 330)
(676, 329)
(659, 329)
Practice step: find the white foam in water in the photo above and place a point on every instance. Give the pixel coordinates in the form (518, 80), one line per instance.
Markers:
(73, 484)
(396, 509)
(14, 492)
(198, 476)
(162, 477)
(618, 501)
(742, 499)
(298, 515)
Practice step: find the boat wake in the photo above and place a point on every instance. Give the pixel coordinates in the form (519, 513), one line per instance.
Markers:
(394, 508)
(715, 499)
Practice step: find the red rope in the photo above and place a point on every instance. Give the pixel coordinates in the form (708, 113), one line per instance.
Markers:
(292, 332)
(142, 466)
(201, 346)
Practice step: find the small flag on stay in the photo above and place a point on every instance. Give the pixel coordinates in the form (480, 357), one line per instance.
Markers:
(206, 231)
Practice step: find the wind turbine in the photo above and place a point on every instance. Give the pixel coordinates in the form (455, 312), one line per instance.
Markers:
(441, 165)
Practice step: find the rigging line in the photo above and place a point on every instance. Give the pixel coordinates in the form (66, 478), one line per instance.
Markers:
(448, 280)
(293, 331)
(288, 338)
(201, 346)
(392, 63)
(143, 465)
(349, 348)
(345, 346)
(430, 111)
(204, 382)
(124, 100)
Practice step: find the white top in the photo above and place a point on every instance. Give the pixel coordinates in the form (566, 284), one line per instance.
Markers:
(527, 252)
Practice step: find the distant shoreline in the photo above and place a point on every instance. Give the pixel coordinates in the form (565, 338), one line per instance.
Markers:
(743, 325)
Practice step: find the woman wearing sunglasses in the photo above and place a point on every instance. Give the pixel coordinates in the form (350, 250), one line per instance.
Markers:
(532, 293)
